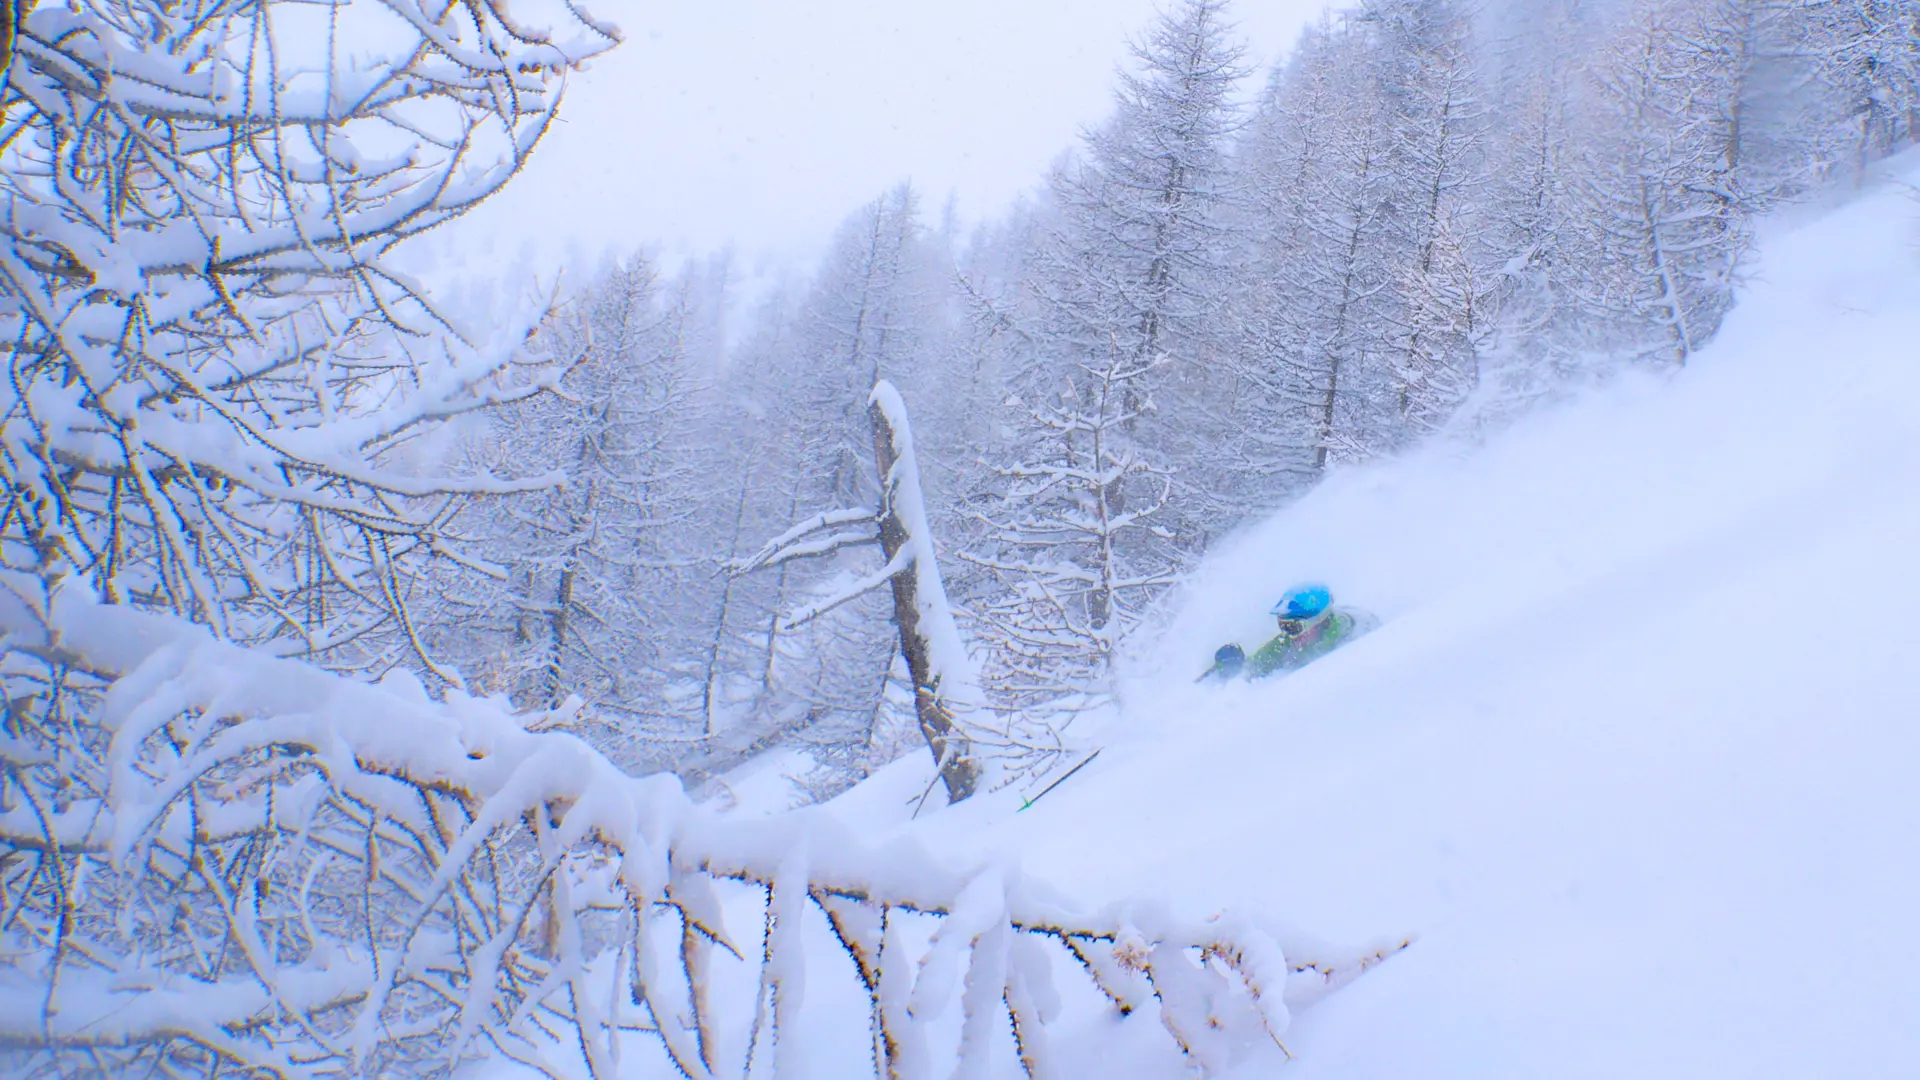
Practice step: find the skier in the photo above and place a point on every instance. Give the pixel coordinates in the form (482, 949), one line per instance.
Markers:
(1310, 627)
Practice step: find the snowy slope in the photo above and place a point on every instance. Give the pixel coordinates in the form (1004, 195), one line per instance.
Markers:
(1634, 752)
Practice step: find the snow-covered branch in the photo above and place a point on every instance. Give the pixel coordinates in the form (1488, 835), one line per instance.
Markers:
(287, 871)
(805, 540)
(879, 579)
(216, 381)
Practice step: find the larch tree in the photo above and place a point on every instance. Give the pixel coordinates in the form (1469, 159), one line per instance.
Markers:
(1532, 217)
(221, 400)
(596, 586)
(1658, 193)
(1868, 60)
(1283, 192)
(1323, 277)
(1424, 58)
(873, 310)
(1127, 280)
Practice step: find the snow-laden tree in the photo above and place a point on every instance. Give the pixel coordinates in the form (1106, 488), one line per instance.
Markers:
(1268, 453)
(1531, 216)
(1867, 56)
(1076, 542)
(1658, 192)
(826, 677)
(220, 401)
(1424, 56)
(1128, 282)
(855, 325)
(1315, 305)
(1754, 66)
(1136, 256)
(598, 584)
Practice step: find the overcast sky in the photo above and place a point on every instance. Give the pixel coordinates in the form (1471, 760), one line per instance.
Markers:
(760, 124)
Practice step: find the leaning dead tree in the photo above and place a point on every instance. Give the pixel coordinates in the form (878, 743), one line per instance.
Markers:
(217, 862)
(936, 658)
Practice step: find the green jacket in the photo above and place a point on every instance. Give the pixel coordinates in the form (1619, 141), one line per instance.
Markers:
(1288, 652)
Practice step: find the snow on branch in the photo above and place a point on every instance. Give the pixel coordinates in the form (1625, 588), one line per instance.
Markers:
(238, 862)
(803, 540)
(215, 381)
(879, 579)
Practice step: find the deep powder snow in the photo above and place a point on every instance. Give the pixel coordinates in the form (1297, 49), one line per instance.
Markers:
(1632, 756)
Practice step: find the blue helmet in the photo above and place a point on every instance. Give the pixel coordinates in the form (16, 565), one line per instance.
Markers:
(1303, 602)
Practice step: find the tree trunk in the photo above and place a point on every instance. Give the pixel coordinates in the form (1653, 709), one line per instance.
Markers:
(901, 513)
(562, 610)
(12, 13)
(711, 689)
(779, 597)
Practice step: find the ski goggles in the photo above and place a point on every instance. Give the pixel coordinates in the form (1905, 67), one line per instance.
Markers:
(1292, 626)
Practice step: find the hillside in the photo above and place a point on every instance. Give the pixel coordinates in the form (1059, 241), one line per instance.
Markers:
(1631, 756)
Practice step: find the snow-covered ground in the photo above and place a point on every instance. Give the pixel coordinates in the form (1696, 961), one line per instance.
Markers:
(1633, 755)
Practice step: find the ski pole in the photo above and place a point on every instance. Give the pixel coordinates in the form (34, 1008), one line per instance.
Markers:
(1024, 803)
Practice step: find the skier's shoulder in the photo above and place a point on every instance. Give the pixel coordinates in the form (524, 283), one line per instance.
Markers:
(1354, 621)
(1274, 646)
(1269, 658)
